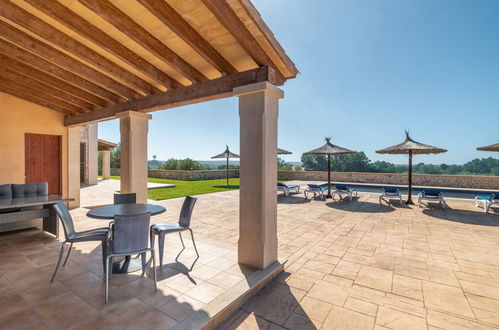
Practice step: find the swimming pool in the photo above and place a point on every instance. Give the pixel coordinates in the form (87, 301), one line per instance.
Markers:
(446, 192)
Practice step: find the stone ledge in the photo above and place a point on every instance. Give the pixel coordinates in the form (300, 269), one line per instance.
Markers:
(216, 311)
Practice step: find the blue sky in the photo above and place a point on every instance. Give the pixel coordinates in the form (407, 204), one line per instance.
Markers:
(369, 70)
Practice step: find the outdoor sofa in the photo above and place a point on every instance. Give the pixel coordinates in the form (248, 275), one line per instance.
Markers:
(287, 188)
(431, 196)
(390, 193)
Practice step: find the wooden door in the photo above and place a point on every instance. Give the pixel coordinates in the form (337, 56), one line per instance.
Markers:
(42, 160)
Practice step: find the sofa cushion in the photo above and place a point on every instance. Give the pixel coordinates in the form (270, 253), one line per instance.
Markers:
(5, 191)
(30, 189)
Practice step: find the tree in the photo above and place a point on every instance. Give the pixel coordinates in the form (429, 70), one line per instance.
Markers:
(231, 167)
(357, 162)
(282, 165)
(170, 164)
(181, 164)
(116, 156)
(314, 162)
(154, 157)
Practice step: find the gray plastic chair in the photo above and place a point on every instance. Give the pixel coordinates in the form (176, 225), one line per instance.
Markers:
(130, 198)
(71, 236)
(184, 222)
(129, 236)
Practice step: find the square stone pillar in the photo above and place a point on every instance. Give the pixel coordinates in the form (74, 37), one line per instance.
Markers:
(74, 166)
(106, 164)
(258, 112)
(93, 155)
(133, 129)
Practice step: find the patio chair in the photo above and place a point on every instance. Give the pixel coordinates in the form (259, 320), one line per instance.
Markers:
(130, 198)
(183, 224)
(431, 195)
(390, 193)
(343, 189)
(129, 236)
(487, 201)
(287, 188)
(316, 189)
(71, 236)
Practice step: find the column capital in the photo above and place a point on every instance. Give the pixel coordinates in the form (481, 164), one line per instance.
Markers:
(262, 86)
(133, 114)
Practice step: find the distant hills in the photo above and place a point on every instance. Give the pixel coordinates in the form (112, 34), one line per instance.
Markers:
(209, 164)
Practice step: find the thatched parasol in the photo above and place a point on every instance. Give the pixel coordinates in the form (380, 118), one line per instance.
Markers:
(494, 147)
(411, 147)
(283, 152)
(328, 150)
(226, 154)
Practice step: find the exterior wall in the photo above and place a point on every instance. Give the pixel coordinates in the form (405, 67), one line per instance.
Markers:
(18, 117)
(431, 180)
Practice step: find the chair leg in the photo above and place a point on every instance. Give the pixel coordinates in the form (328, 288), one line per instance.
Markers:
(144, 263)
(106, 275)
(67, 256)
(161, 243)
(193, 242)
(154, 269)
(183, 245)
(58, 262)
(104, 255)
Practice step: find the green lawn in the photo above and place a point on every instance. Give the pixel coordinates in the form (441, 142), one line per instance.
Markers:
(185, 188)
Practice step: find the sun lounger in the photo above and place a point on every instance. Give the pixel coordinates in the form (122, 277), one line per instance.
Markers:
(316, 189)
(487, 201)
(343, 189)
(430, 195)
(390, 193)
(287, 188)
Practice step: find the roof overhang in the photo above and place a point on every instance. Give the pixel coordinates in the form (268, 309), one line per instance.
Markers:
(105, 145)
(92, 58)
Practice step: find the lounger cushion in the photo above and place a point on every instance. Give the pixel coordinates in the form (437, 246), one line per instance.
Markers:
(390, 190)
(341, 187)
(280, 184)
(313, 186)
(5, 191)
(431, 193)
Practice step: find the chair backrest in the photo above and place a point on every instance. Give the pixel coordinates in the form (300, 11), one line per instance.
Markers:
(186, 212)
(391, 190)
(30, 189)
(131, 233)
(5, 191)
(130, 198)
(66, 220)
(341, 187)
(431, 193)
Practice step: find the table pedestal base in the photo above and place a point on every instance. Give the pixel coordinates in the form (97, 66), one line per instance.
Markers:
(127, 265)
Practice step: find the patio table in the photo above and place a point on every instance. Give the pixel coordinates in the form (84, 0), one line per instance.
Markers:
(27, 212)
(108, 212)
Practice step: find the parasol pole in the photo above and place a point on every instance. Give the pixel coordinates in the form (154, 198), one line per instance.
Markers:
(329, 176)
(409, 197)
(227, 170)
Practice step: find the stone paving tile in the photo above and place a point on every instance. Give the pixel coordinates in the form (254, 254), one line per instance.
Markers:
(345, 319)
(446, 298)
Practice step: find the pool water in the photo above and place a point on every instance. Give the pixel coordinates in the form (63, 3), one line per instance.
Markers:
(449, 192)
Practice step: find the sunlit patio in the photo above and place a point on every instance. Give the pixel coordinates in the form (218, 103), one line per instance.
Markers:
(349, 265)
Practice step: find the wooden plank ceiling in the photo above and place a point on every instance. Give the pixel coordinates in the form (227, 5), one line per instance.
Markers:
(92, 58)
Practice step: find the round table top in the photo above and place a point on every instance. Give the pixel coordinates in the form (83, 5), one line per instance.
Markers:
(110, 211)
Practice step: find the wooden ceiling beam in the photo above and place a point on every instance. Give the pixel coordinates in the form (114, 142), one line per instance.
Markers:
(167, 14)
(30, 59)
(205, 91)
(27, 80)
(25, 19)
(43, 50)
(70, 19)
(39, 92)
(25, 95)
(229, 19)
(136, 32)
(52, 81)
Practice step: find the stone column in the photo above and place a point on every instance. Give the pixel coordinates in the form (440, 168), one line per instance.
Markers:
(258, 112)
(133, 129)
(93, 155)
(106, 164)
(74, 166)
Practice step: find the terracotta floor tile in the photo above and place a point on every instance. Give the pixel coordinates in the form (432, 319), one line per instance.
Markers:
(205, 292)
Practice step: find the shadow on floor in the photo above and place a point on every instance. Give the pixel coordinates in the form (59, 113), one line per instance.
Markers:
(77, 293)
(275, 304)
(356, 206)
(477, 217)
(292, 199)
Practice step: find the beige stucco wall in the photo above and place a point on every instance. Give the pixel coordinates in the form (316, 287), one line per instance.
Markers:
(18, 117)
